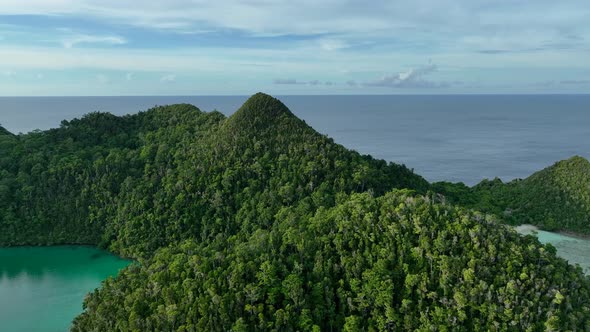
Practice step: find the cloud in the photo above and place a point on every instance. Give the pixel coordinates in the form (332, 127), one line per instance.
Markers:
(444, 22)
(40, 76)
(479, 40)
(129, 76)
(286, 81)
(575, 82)
(412, 78)
(168, 78)
(332, 44)
(72, 41)
(292, 81)
(351, 83)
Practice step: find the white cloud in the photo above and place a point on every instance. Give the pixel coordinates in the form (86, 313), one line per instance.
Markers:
(452, 18)
(72, 41)
(291, 63)
(332, 44)
(342, 41)
(453, 29)
(412, 78)
(168, 78)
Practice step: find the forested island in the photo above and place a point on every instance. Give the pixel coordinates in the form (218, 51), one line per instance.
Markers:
(256, 222)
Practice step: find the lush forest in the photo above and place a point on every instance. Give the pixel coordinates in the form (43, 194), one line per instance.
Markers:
(258, 222)
(137, 183)
(396, 262)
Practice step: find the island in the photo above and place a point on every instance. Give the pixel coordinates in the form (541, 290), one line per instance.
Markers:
(256, 222)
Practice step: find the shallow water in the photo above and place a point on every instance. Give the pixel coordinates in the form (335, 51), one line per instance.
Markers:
(43, 288)
(573, 249)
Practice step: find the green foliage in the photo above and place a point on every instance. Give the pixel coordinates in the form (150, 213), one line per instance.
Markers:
(140, 182)
(65, 185)
(556, 198)
(396, 262)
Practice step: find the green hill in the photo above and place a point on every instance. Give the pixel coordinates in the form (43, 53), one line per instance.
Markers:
(139, 182)
(555, 198)
(258, 222)
(238, 175)
(65, 184)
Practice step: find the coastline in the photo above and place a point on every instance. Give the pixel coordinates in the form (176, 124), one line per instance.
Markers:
(526, 229)
(72, 245)
(581, 236)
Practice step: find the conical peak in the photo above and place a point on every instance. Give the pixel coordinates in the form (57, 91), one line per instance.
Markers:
(263, 106)
(262, 111)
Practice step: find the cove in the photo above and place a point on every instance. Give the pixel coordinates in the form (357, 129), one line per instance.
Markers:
(43, 288)
(573, 249)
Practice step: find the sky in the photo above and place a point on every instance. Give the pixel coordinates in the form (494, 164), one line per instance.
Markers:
(232, 47)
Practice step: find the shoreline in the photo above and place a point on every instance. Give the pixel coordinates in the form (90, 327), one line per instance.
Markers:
(93, 246)
(526, 229)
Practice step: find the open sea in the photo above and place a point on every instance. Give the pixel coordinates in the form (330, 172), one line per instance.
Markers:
(442, 137)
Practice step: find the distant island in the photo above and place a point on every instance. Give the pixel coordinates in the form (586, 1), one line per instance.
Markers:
(258, 222)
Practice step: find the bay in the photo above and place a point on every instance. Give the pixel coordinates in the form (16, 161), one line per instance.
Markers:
(42, 288)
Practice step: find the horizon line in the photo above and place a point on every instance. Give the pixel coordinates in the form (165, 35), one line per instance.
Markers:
(305, 95)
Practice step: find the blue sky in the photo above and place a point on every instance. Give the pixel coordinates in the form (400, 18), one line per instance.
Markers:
(231, 47)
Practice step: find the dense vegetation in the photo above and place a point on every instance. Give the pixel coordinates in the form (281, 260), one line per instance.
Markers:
(140, 182)
(390, 263)
(257, 222)
(556, 198)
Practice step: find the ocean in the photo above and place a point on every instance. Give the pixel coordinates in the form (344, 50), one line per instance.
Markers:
(458, 138)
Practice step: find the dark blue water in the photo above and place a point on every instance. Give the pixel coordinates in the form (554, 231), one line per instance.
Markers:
(454, 138)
